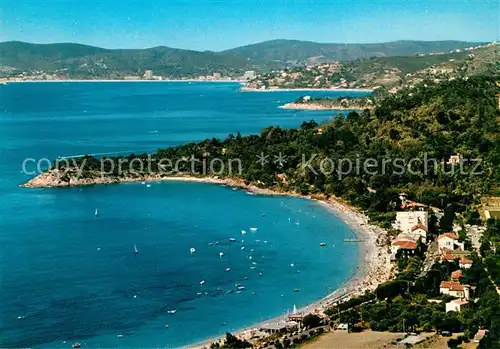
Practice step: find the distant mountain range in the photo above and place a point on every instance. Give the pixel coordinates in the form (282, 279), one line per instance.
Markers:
(294, 51)
(79, 60)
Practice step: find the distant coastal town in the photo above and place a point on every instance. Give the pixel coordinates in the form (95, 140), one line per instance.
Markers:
(376, 73)
(40, 75)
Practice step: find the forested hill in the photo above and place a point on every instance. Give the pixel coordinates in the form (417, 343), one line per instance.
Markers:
(426, 122)
(295, 51)
(83, 61)
(456, 117)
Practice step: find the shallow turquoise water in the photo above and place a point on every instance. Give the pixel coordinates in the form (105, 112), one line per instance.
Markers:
(67, 275)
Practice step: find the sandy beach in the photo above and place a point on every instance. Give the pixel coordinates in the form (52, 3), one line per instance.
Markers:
(374, 266)
(312, 106)
(120, 80)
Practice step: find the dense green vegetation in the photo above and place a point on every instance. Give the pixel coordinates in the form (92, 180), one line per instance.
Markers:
(423, 123)
(82, 61)
(339, 102)
(306, 51)
(403, 303)
(429, 122)
(231, 342)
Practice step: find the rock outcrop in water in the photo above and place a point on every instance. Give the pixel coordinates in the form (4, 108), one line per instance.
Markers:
(57, 178)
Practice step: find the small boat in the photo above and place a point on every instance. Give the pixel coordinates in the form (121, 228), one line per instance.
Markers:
(260, 274)
(242, 247)
(243, 232)
(322, 244)
(76, 345)
(228, 270)
(210, 244)
(229, 291)
(232, 239)
(96, 212)
(167, 326)
(292, 265)
(252, 268)
(296, 290)
(148, 185)
(143, 183)
(249, 257)
(199, 294)
(245, 278)
(254, 263)
(297, 222)
(192, 250)
(253, 229)
(172, 311)
(241, 287)
(263, 215)
(136, 251)
(119, 335)
(221, 254)
(202, 282)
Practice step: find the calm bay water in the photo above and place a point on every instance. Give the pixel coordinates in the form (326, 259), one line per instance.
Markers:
(67, 275)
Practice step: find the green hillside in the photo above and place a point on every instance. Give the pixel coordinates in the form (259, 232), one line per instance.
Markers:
(83, 61)
(88, 61)
(295, 51)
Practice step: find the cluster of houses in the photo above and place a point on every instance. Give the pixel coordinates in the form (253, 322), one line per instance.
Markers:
(413, 225)
(451, 249)
(454, 288)
(326, 75)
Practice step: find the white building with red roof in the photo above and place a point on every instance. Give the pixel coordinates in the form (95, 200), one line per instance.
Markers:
(449, 242)
(407, 220)
(455, 289)
(465, 263)
(406, 242)
(419, 229)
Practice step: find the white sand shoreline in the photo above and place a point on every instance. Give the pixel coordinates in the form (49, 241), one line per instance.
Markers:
(122, 80)
(249, 89)
(312, 106)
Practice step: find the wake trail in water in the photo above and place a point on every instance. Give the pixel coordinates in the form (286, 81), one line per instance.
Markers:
(122, 152)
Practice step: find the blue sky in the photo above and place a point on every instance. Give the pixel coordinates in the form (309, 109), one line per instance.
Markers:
(223, 24)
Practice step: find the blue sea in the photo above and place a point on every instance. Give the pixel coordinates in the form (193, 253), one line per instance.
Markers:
(70, 276)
